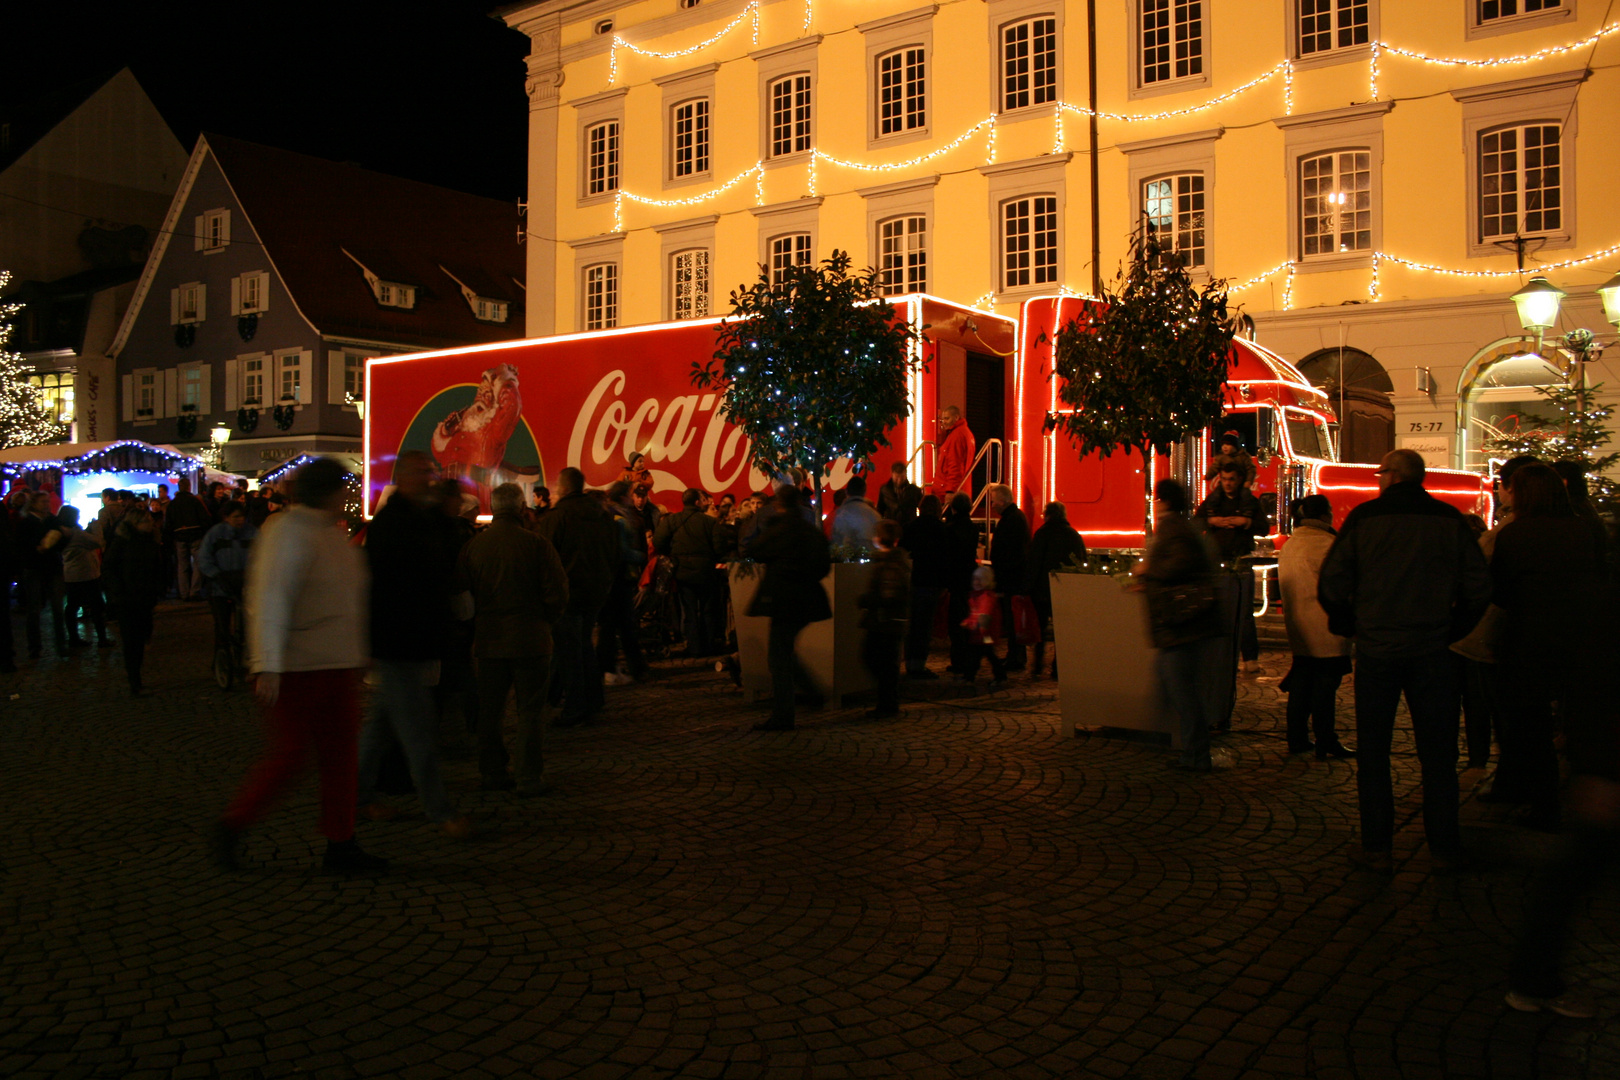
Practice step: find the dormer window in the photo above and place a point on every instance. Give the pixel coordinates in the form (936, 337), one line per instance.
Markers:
(393, 294)
(487, 310)
(213, 230)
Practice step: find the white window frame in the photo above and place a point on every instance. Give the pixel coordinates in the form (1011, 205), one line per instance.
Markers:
(1039, 210)
(680, 90)
(790, 61)
(194, 376)
(589, 252)
(1196, 219)
(691, 123)
(148, 388)
(904, 199)
(788, 250)
(1341, 162)
(782, 219)
(296, 360)
(1548, 99)
(790, 100)
(592, 112)
(1479, 26)
(396, 294)
(679, 237)
(265, 373)
(1308, 135)
(902, 245)
(599, 281)
(489, 310)
(1193, 152)
(602, 177)
(1140, 87)
(345, 375)
(1335, 53)
(213, 231)
(1005, 14)
(689, 283)
(899, 34)
(255, 285)
(178, 303)
(1032, 178)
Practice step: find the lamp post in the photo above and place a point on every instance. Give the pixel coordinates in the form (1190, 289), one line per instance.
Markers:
(1538, 303)
(220, 435)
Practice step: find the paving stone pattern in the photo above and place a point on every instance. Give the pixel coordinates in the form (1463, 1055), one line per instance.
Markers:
(956, 893)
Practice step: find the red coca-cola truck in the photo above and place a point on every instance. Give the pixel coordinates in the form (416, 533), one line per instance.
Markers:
(521, 410)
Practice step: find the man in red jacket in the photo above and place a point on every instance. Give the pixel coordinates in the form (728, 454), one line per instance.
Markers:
(956, 449)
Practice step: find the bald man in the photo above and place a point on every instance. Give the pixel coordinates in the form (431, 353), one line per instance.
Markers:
(1406, 578)
(956, 447)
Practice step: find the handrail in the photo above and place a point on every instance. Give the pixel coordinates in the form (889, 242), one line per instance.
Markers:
(989, 469)
(928, 474)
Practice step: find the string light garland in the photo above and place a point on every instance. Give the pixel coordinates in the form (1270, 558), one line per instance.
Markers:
(619, 197)
(911, 163)
(751, 12)
(1372, 70)
(1372, 286)
(1543, 268)
(1258, 278)
(1285, 69)
(1288, 288)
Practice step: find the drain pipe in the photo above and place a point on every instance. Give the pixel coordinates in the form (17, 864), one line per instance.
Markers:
(1091, 101)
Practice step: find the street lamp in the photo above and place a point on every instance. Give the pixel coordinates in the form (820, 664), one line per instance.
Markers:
(1538, 306)
(221, 434)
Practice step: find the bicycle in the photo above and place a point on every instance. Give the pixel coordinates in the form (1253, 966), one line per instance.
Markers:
(228, 654)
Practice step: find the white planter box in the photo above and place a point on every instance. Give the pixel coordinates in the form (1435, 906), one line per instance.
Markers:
(830, 650)
(1105, 657)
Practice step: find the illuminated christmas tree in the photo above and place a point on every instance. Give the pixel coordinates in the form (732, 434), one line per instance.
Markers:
(23, 419)
(1566, 434)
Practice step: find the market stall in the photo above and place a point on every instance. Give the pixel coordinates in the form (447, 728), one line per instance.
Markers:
(79, 471)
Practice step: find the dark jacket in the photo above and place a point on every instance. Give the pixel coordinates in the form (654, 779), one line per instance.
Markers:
(412, 552)
(886, 603)
(1405, 577)
(132, 572)
(587, 542)
(796, 557)
(888, 500)
(1052, 546)
(1232, 543)
(926, 542)
(1176, 556)
(1009, 552)
(1546, 574)
(689, 538)
(31, 533)
(187, 517)
(519, 588)
(961, 554)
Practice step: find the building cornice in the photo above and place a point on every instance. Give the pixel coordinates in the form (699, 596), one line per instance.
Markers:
(688, 74)
(1348, 114)
(786, 48)
(889, 22)
(899, 187)
(1207, 135)
(806, 203)
(706, 221)
(1558, 81)
(597, 99)
(599, 240)
(1034, 164)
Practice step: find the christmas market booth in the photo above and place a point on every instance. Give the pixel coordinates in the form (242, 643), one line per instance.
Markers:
(352, 467)
(79, 471)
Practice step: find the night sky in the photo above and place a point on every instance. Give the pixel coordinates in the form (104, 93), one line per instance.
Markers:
(431, 90)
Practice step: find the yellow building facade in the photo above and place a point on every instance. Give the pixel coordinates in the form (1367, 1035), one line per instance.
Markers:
(1368, 176)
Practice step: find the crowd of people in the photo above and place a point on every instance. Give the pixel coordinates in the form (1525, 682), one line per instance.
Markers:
(567, 590)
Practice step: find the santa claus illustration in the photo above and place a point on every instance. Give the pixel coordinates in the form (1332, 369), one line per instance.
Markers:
(470, 443)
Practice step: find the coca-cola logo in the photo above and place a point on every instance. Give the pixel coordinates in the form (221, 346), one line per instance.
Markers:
(607, 429)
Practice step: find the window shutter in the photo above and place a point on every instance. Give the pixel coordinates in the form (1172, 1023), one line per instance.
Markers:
(127, 406)
(205, 390)
(264, 293)
(306, 377)
(233, 381)
(171, 393)
(334, 377)
(225, 227)
(199, 241)
(174, 307)
(236, 296)
(202, 302)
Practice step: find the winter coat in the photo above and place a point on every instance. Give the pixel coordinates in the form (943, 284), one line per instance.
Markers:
(587, 542)
(1232, 543)
(1406, 576)
(1240, 458)
(1052, 547)
(1177, 555)
(796, 559)
(961, 553)
(925, 542)
(132, 573)
(519, 588)
(1546, 576)
(692, 540)
(855, 523)
(80, 558)
(411, 550)
(988, 604)
(224, 551)
(1009, 552)
(886, 602)
(306, 595)
(1299, 564)
(956, 450)
(187, 518)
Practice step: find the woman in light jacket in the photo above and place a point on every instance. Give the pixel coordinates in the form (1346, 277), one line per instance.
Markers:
(1321, 658)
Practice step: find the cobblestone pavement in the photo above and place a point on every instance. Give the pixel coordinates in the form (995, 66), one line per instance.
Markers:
(959, 892)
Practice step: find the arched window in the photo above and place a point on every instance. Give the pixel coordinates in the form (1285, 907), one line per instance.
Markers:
(1359, 389)
(1497, 395)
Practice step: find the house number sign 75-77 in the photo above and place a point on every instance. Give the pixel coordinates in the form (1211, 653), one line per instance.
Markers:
(1425, 425)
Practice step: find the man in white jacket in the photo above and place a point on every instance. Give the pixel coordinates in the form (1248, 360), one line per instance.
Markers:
(306, 604)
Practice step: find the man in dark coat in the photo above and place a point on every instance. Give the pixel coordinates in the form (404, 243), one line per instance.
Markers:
(1009, 558)
(520, 593)
(587, 541)
(412, 553)
(1231, 515)
(796, 558)
(1405, 578)
(925, 541)
(1054, 545)
(185, 523)
(39, 554)
(689, 537)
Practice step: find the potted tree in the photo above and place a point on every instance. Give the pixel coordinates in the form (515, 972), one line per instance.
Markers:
(813, 366)
(1140, 370)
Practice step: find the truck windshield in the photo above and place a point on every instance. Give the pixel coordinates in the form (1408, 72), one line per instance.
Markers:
(1308, 435)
